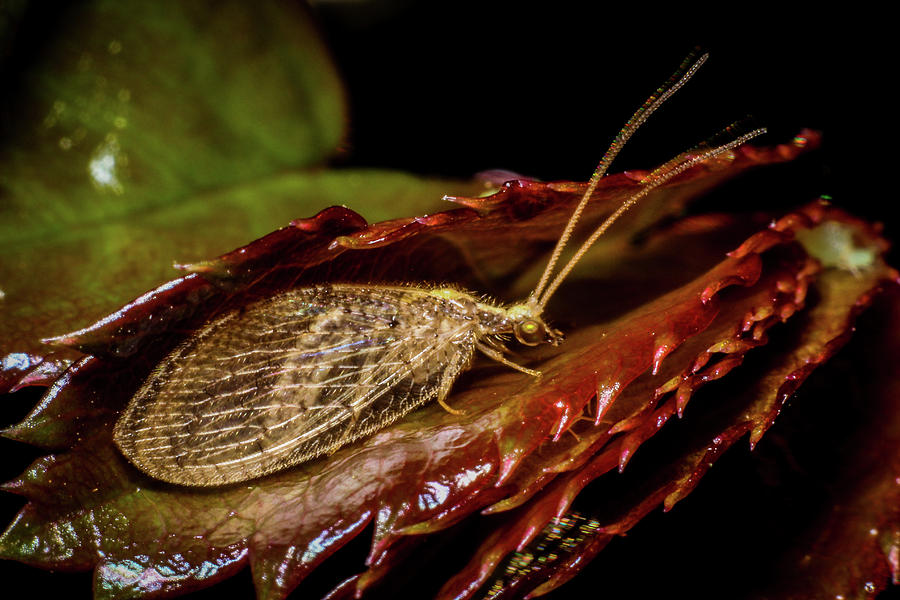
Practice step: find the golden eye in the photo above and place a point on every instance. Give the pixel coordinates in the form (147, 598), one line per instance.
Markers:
(530, 333)
(529, 327)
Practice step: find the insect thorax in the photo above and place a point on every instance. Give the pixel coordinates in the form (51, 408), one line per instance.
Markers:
(522, 319)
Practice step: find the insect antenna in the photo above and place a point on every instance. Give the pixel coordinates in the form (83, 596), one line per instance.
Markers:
(689, 66)
(720, 138)
(670, 169)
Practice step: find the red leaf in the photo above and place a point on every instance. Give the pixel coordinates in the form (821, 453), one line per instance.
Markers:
(825, 328)
(641, 356)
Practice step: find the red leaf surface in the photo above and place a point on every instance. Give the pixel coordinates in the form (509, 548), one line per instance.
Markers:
(869, 525)
(864, 513)
(631, 362)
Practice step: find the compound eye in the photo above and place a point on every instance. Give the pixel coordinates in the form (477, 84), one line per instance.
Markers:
(530, 332)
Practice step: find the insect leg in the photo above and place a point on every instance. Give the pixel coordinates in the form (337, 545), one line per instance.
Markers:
(458, 363)
(498, 356)
(447, 407)
(443, 392)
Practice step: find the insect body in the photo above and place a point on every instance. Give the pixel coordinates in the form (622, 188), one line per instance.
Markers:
(301, 374)
(307, 371)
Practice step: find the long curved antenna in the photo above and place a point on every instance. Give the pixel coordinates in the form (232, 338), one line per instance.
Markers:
(686, 70)
(724, 136)
(674, 167)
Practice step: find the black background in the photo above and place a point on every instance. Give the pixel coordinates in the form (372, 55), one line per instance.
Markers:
(453, 88)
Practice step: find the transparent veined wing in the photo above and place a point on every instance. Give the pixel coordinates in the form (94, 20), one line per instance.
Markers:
(291, 378)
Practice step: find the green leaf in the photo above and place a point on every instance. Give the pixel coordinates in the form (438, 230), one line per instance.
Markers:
(132, 107)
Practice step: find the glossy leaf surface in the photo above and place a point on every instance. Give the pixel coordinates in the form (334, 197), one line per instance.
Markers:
(432, 469)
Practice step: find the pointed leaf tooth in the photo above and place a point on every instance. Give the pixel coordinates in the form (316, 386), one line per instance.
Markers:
(606, 395)
(211, 270)
(786, 285)
(625, 454)
(890, 545)
(19, 370)
(669, 386)
(663, 350)
(760, 314)
(723, 367)
(787, 311)
(627, 424)
(762, 241)
(331, 221)
(683, 396)
(726, 346)
(508, 465)
(13, 486)
(569, 414)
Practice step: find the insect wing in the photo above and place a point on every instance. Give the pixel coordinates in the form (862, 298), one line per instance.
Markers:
(292, 378)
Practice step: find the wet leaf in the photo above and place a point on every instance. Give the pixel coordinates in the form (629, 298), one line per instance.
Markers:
(420, 476)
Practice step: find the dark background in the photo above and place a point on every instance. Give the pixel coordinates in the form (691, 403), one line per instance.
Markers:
(454, 88)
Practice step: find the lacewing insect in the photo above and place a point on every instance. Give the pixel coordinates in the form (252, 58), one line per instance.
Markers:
(305, 372)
